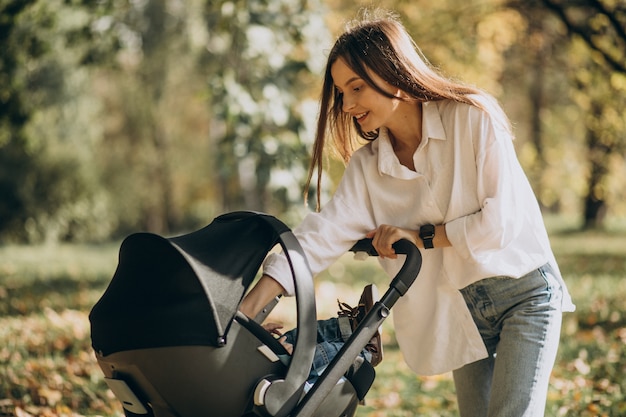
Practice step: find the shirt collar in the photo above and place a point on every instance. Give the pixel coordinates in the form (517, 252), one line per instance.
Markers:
(432, 128)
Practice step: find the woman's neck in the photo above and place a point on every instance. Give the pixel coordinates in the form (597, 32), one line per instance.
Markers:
(405, 132)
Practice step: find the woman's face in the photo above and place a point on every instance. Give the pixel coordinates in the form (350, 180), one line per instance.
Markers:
(371, 109)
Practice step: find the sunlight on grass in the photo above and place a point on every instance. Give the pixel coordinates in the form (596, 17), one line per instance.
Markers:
(79, 262)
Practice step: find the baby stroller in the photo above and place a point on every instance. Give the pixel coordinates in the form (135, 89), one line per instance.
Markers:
(170, 340)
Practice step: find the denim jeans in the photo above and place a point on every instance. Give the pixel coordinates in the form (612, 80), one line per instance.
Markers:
(519, 321)
(330, 339)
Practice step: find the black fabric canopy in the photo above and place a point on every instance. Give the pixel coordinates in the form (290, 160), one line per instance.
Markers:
(183, 290)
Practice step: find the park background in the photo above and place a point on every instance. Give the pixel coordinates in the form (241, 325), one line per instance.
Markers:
(158, 115)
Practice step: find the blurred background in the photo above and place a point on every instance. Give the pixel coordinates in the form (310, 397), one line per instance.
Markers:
(118, 115)
(158, 115)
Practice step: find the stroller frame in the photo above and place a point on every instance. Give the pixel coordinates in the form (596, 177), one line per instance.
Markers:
(274, 391)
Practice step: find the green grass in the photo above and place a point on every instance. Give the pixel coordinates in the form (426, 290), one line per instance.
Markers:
(47, 366)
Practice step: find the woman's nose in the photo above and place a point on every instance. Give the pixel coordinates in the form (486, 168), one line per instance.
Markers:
(347, 104)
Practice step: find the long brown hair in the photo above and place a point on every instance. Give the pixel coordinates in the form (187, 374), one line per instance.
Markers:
(378, 42)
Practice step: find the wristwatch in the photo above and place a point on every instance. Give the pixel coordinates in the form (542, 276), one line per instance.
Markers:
(427, 233)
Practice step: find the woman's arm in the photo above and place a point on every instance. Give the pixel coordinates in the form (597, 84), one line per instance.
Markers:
(260, 295)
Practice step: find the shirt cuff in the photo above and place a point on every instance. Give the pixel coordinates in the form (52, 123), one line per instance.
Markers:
(455, 231)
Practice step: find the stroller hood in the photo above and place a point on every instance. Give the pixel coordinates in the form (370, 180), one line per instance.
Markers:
(183, 290)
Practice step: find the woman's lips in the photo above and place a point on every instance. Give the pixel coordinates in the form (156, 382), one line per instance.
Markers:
(360, 117)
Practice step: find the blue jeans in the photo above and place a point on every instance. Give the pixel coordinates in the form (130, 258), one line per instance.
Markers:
(331, 336)
(520, 322)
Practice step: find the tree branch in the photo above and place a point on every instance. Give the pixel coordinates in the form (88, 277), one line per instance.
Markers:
(586, 33)
(612, 16)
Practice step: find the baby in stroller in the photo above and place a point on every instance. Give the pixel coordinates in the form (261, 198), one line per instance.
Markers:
(334, 332)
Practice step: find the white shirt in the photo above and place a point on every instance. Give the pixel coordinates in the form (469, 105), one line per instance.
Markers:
(467, 177)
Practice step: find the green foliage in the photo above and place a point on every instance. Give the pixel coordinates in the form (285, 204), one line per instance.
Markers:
(262, 55)
(154, 115)
(46, 126)
(115, 136)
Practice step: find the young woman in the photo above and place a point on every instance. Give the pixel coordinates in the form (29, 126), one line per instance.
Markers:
(438, 168)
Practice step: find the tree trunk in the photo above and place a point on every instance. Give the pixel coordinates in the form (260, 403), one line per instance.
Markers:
(599, 153)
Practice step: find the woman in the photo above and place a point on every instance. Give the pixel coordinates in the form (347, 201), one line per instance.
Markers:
(439, 169)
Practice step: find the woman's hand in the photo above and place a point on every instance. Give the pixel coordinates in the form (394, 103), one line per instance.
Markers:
(273, 328)
(385, 236)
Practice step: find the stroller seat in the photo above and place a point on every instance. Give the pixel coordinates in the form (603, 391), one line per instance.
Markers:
(170, 341)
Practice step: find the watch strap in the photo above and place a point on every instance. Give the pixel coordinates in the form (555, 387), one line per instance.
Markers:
(427, 234)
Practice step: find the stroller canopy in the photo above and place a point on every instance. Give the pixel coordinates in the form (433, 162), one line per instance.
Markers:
(183, 290)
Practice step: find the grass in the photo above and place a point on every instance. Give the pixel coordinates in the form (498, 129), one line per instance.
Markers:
(47, 367)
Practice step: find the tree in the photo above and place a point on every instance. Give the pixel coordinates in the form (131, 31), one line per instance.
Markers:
(600, 90)
(14, 115)
(104, 123)
(139, 146)
(44, 191)
(601, 24)
(262, 55)
(107, 108)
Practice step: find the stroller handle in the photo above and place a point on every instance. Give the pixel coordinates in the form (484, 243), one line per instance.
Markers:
(367, 328)
(405, 278)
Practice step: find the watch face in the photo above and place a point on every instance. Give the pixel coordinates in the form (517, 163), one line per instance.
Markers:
(427, 231)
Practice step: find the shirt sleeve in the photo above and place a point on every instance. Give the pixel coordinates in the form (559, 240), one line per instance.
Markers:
(502, 191)
(327, 235)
